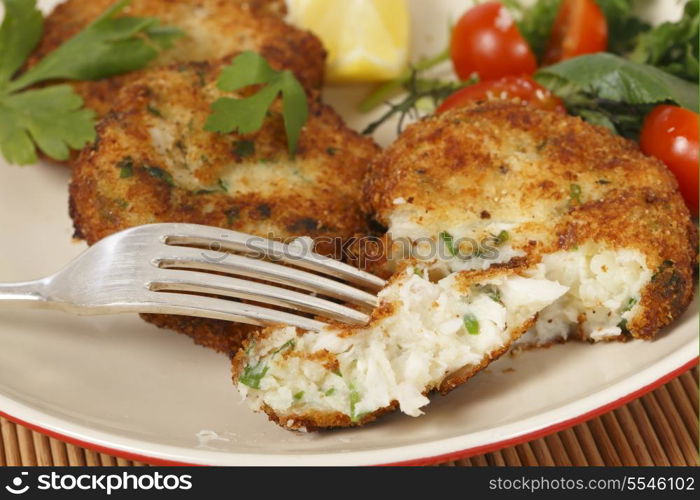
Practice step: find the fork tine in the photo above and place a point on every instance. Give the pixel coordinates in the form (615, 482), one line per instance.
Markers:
(208, 237)
(189, 258)
(227, 310)
(195, 282)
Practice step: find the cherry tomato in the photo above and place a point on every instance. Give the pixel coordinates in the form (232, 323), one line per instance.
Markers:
(579, 28)
(487, 42)
(521, 88)
(670, 133)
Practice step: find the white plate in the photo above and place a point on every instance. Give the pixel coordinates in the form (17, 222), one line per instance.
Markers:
(119, 385)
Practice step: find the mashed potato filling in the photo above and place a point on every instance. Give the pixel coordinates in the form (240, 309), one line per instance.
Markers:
(604, 293)
(421, 334)
(605, 285)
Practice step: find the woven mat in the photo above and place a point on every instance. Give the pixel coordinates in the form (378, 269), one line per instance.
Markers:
(660, 428)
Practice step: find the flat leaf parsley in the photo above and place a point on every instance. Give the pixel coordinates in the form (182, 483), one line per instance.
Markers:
(246, 115)
(52, 117)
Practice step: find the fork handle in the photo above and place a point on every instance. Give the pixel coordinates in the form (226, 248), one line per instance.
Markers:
(29, 294)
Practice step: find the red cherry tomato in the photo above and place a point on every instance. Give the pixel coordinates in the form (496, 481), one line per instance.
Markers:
(487, 42)
(520, 88)
(670, 133)
(580, 28)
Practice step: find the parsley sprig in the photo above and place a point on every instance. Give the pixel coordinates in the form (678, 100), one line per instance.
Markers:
(246, 115)
(52, 118)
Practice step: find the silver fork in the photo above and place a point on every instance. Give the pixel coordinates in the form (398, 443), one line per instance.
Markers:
(167, 269)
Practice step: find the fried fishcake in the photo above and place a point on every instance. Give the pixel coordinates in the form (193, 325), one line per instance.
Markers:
(507, 185)
(213, 29)
(424, 336)
(154, 162)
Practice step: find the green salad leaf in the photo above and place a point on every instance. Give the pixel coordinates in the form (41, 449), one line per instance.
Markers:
(614, 78)
(609, 90)
(52, 118)
(673, 46)
(624, 26)
(536, 22)
(246, 115)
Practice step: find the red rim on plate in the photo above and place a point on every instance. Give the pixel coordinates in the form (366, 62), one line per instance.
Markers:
(456, 455)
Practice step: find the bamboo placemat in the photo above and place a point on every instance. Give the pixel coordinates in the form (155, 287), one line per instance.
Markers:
(660, 428)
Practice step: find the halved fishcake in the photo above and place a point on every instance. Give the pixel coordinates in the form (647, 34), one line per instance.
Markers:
(213, 29)
(423, 336)
(507, 185)
(154, 162)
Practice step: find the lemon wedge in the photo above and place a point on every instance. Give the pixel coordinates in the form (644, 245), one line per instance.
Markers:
(366, 40)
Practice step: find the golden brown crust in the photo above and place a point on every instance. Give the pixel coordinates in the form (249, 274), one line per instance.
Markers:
(321, 200)
(318, 421)
(563, 181)
(221, 336)
(214, 29)
(157, 127)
